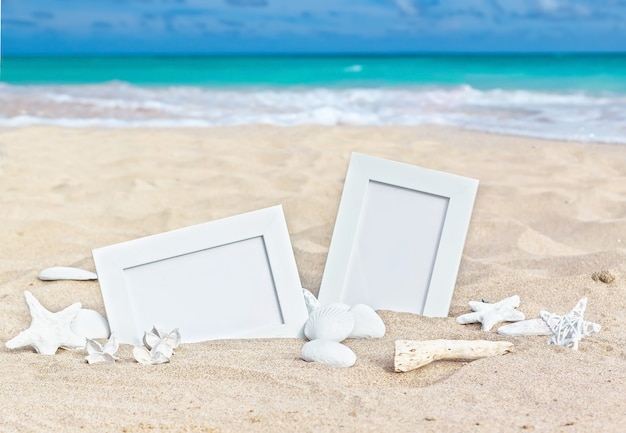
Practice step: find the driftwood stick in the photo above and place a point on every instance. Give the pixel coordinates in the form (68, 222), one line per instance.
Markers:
(411, 355)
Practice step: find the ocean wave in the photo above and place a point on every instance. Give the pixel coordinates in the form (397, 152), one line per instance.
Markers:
(569, 116)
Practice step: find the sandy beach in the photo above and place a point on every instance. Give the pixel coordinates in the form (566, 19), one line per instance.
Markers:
(548, 215)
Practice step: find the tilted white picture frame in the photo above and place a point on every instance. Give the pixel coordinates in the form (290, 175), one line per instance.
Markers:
(231, 278)
(398, 237)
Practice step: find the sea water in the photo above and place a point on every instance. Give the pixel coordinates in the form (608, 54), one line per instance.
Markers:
(571, 97)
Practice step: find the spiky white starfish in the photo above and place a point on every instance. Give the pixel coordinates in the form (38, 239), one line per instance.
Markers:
(569, 329)
(490, 314)
(48, 331)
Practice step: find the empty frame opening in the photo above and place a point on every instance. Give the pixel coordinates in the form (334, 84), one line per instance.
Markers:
(222, 292)
(404, 224)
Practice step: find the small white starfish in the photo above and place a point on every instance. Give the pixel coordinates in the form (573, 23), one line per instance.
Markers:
(569, 329)
(48, 331)
(490, 314)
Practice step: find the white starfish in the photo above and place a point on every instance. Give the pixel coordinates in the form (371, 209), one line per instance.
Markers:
(98, 353)
(48, 331)
(490, 314)
(569, 329)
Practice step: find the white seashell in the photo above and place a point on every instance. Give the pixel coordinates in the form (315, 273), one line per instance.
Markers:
(525, 328)
(310, 300)
(328, 352)
(66, 273)
(367, 324)
(331, 322)
(97, 353)
(152, 357)
(90, 324)
(156, 336)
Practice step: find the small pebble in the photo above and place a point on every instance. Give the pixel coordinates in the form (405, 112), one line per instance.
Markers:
(604, 275)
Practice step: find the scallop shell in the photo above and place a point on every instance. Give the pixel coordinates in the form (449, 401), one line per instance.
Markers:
(331, 322)
(328, 352)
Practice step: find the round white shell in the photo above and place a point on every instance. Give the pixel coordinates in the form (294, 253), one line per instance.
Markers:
(367, 324)
(328, 352)
(66, 273)
(331, 322)
(90, 324)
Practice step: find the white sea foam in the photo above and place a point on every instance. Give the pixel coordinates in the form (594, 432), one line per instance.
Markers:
(569, 116)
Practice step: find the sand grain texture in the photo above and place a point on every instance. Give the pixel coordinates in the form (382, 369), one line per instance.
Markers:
(547, 216)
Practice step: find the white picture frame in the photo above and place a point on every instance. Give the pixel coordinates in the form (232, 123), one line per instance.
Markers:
(398, 237)
(226, 279)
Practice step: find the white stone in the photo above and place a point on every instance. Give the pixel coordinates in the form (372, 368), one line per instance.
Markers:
(367, 324)
(328, 352)
(90, 324)
(66, 273)
(525, 328)
(331, 322)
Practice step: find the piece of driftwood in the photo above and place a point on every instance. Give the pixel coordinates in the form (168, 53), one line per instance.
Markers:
(411, 354)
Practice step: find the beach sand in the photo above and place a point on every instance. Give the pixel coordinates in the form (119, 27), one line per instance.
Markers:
(547, 216)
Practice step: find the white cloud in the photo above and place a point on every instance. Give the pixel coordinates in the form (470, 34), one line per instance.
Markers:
(407, 7)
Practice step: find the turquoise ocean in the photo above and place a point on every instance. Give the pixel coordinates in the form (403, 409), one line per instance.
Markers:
(562, 96)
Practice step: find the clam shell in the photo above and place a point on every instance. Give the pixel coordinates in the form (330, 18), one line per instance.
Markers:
(331, 322)
(90, 324)
(328, 352)
(66, 273)
(367, 324)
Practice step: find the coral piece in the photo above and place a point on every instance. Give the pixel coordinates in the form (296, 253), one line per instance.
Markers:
(411, 355)
(328, 352)
(367, 324)
(97, 353)
(66, 273)
(490, 314)
(569, 329)
(48, 331)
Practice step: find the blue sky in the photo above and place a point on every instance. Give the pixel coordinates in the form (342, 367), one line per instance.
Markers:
(310, 26)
